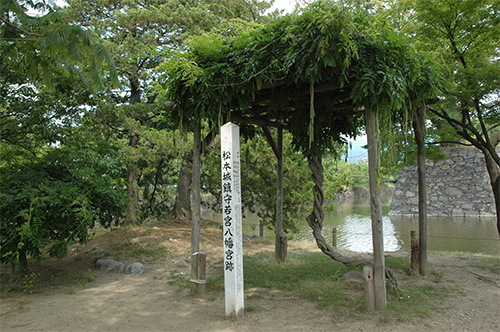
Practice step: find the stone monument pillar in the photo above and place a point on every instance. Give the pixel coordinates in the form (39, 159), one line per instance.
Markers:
(231, 215)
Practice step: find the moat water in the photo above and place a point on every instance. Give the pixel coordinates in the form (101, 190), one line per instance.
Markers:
(353, 223)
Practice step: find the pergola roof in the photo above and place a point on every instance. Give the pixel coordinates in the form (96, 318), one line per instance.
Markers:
(310, 72)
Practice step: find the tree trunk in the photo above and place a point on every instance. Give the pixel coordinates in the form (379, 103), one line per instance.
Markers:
(376, 211)
(195, 222)
(182, 206)
(494, 173)
(151, 197)
(315, 219)
(132, 190)
(23, 261)
(419, 128)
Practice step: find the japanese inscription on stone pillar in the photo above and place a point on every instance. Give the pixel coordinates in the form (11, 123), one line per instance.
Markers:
(231, 219)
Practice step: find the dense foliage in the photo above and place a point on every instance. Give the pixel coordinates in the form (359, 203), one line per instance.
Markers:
(312, 71)
(57, 198)
(59, 177)
(463, 38)
(141, 34)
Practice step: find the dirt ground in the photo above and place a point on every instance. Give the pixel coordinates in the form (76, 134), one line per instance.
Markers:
(120, 302)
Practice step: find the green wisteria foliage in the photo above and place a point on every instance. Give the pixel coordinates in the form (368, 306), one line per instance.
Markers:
(314, 71)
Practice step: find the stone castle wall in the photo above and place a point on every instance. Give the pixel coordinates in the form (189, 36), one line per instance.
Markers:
(457, 186)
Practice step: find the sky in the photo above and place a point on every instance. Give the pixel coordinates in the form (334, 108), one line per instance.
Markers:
(287, 5)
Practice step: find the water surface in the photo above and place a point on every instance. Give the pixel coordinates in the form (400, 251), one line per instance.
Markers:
(353, 223)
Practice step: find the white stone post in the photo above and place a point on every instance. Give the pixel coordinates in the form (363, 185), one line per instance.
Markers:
(231, 215)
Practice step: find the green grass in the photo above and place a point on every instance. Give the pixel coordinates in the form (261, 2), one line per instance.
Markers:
(488, 263)
(410, 304)
(398, 263)
(315, 277)
(30, 284)
(312, 276)
(128, 250)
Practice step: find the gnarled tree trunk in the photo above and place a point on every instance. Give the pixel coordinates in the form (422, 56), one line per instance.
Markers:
(315, 219)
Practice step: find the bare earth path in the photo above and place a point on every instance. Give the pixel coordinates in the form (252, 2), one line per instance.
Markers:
(149, 303)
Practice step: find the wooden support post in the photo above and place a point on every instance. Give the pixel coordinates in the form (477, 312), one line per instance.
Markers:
(419, 129)
(372, 133)
(261, 229)
(196, 198)
(415, 253)
(279, 198)
(283, 246)
(198, 273)
(369, 288)
(334, 237)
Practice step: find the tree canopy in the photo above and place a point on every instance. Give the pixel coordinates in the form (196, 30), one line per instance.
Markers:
(60, 177)
(310, 72)
(463, 38)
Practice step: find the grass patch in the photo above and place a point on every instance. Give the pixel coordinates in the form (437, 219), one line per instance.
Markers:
(409, 304)
(311, 276)
(31, 283)
(488, 263)
(21, 304)
(398, 263)
(180, 279)
(315, 277)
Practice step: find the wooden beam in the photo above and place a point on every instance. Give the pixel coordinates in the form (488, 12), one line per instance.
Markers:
(267, 95)
(257, 121)
(271, 141)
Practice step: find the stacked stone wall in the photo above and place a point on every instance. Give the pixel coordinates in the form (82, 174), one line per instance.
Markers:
(457, 186)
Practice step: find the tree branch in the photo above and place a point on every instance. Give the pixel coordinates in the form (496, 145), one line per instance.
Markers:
(15, 26)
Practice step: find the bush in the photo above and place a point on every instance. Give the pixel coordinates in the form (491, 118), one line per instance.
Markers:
(53, 200)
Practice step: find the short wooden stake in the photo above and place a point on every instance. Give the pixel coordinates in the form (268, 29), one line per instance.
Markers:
(283, 248)
(369, 288)
(334, 237)
(198, 273)
(261, 229)
(415, 253)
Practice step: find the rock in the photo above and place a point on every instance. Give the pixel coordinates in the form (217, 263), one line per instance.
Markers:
(98, 254)
(135, 268)
(183, 263)
(110, 265)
